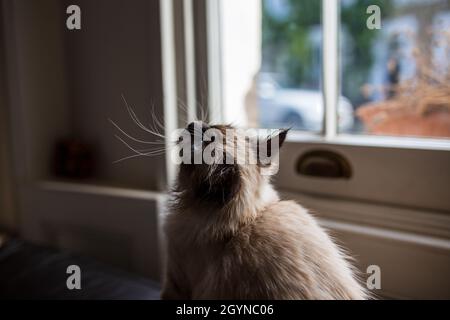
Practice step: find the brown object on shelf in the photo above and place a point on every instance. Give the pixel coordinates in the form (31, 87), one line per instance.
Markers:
(73, 159)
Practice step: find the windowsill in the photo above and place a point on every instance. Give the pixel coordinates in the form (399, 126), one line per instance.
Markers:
(372, 141)
(418, 221)
(98, 189)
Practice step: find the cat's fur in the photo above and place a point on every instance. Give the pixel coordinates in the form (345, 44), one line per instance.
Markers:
(230, 237)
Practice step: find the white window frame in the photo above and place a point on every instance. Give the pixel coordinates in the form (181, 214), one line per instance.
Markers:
(389, 150)
(387, 154)
(330, 52)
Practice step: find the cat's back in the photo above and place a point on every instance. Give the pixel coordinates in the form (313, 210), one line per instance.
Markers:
(285, 254)
(282, 254)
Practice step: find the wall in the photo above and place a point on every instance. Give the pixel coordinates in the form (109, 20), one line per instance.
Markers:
(7, 218)
(67, 84)
(116, 52)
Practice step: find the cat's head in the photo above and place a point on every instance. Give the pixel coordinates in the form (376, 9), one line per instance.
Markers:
(220, 162)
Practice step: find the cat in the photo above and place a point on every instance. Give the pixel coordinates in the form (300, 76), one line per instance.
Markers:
(229, 236)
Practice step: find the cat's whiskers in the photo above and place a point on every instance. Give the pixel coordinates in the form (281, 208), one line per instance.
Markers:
(138, 122)
(158, 142)
(138, 152)
(153, 130)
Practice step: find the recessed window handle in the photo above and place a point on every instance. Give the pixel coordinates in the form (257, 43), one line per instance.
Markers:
(324, 164)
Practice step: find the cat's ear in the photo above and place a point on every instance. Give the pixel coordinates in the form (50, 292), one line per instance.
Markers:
(282, 136)
(272, 145)
(279, 137)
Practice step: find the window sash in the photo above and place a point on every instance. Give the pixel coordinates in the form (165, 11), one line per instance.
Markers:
(330, 82)
(375, 158)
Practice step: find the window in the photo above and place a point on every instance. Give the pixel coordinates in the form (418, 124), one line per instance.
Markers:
(278, 55)
(397, 78)
(316, 59)
(271, 58)
(393, 80)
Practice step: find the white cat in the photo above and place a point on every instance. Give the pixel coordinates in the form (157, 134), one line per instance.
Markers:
(230, 237)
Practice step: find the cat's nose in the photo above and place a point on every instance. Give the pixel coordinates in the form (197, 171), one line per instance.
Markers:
(196, 126)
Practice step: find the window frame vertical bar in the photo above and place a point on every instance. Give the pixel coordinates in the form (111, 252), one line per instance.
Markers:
(169, 77)
(189, 47)
(214, 47)
(330, 66)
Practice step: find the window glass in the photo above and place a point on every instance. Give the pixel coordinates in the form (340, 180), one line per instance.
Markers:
(395, 65)
(271, 52)
(289, 83)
